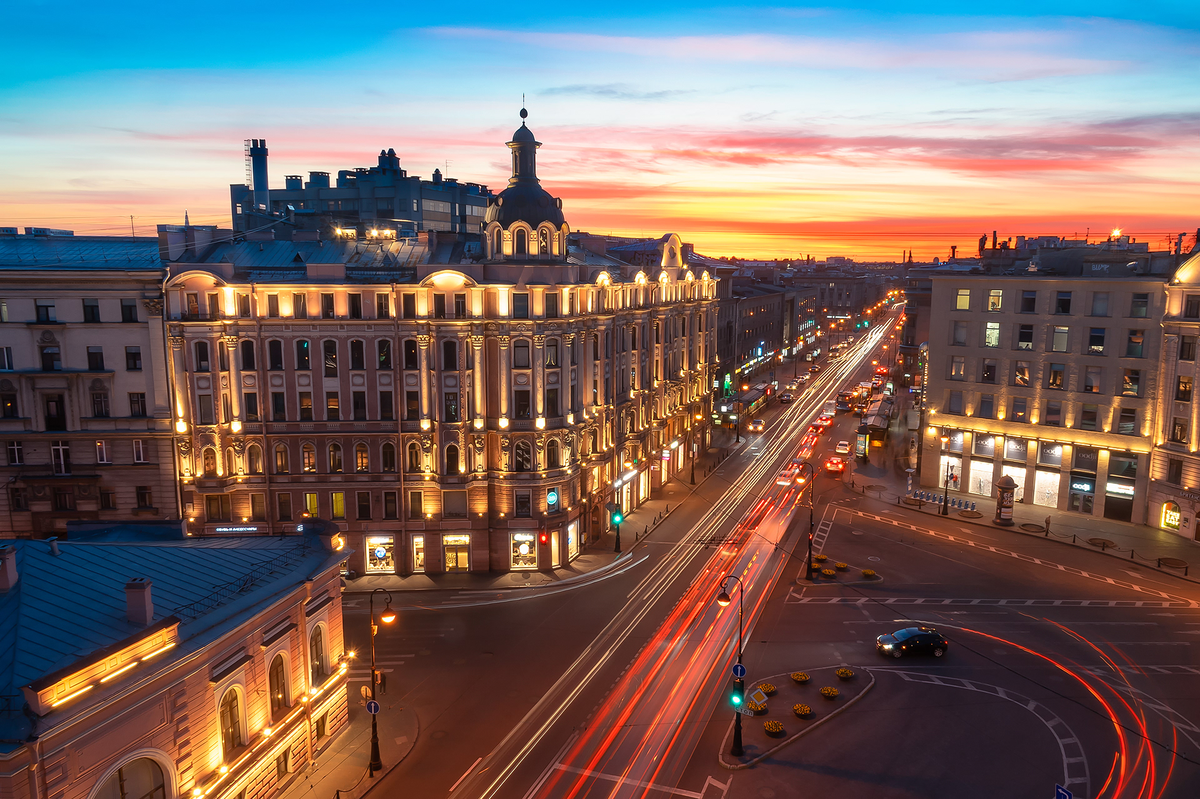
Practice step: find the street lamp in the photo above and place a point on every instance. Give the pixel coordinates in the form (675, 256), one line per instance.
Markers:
(387, 616)
(723, 600)
(946, 480)
(811, 480)
(742, 387)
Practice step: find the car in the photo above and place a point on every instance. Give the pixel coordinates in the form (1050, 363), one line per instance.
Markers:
(835, 465)
(788, 475)
(793, 385)
(786, 399)
(824, 420)
(814, 369)
(802, 378)
(881, 370)
(912, 641)
(756, 426)
(814, 430)
(842, 448)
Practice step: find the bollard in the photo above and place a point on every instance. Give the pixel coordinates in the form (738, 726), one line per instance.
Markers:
(972, 506)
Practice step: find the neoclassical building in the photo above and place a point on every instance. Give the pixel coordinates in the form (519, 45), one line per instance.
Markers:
(453, 402)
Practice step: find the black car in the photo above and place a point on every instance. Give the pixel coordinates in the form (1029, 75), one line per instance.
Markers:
(785, 399)
(912, 641)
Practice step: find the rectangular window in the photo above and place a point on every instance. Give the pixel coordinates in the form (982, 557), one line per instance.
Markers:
(1059, 338)
(1191, 307)
(273, 306)
(1139, 306)
(439, 306)
(520, 306)
(8, 406)
(1056, 376)
(6, 359)
(1092, 376)
(1053, 415)
(243, 305)
(1175, 471)
(1062, 302)
(416, 505)
(358, 404)
(958, 367)
(300, 306)
(552, 353)
(450, 406)
(95, 356)
(331, 406)
(283, 507)
(108, 500)
(384, 351)
(552, 402)
(1187, 348)
(1179, 430)
(306, 406)
(19, 498)
(963, 301)
(129, 310)
(387, 409)
(389, 504)
(137, 404)
(960, 334)
(454, 504)
(358, 356)
(16, 453)
(250, 404)
(383, 306)
(1025, 337)
(1127, 422)
(954, 403)
(1021, 373)
(991, 334)
(330, 356)
(327, 306)
(133, 359)
(1096, 340)
(139, 451)
(278, 406)
(1183, 389)
(310, 504)
(51, 359)
(363, 502)
(552, 305)
(460, 306)
(222, 357)
(987, 406)
(1131, 383)
(522, 504)
(1088, 417)
(1028, 302)
(1135, 343)
(1020, 410)
(64, 498)
(412, 405)
(989, 371)
(204, 408)
(60, 457)
(100, 404)
(91, 311)
(45, 311)
(995, 298)
(337, 505)
(355, 306)
(522, 407)
(408, 303)
(1100, 303)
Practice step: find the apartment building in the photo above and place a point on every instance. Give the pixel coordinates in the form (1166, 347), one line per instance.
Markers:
(85, 410)
(1050, 379)
(453, 402)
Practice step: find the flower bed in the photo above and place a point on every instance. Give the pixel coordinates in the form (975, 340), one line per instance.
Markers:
(767, 688)
(800, 677)
(773, 728)
(755, 707)
(828, 573)
(869, 573)
(820, 558)
(829, 692)
(841, 566)
(802, 711)
(844, 674)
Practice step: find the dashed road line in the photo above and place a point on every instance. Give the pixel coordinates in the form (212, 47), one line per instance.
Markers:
(794, 598)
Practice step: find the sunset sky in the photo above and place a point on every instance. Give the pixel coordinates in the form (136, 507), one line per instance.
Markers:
(750, 131)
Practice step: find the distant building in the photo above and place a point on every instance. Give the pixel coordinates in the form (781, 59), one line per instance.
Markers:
(365, 203)
(130, 668)
(85, 399)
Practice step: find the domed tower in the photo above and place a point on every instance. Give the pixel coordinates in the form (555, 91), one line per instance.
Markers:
(524, 222)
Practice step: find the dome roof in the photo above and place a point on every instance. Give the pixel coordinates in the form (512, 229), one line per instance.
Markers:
(524, 200)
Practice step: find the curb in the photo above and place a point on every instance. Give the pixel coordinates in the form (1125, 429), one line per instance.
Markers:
(379, 777)
(801, 734)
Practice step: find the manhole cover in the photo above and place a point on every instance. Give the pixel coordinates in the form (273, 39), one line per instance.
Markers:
(1174, 563)
(872, 558)
(970, 514)
(856, 532)
(1103, 543)
(1033, 528)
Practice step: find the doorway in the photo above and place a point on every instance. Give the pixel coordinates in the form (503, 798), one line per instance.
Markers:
(457, 558)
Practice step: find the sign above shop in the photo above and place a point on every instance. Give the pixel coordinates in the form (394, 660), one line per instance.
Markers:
(250, 529)
(1119, 489)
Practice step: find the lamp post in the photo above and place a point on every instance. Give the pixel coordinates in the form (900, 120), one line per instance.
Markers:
(812, 489)
(695, 446)
(387, 616)
(723, 600)
(738, 421)
(946, 480)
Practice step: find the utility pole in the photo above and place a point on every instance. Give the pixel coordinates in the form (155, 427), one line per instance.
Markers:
(132, 232)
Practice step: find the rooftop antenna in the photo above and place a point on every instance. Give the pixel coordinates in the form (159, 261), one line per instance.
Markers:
(132, 232)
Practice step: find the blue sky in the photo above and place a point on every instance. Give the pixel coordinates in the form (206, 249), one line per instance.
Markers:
(749, 130)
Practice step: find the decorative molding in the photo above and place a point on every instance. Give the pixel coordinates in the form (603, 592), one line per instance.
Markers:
(154, 306)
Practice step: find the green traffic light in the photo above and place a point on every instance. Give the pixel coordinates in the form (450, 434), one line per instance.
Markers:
(617, 518)
(735, 699)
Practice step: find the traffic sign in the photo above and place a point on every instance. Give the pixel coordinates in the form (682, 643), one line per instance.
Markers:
(745, 711)
(372, 707)
(739, 670)
(758, 697)
(1062, 793)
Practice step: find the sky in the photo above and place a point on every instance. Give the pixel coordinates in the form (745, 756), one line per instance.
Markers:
(754, 131)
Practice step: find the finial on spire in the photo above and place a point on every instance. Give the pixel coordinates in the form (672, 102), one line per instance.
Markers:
(524, 113)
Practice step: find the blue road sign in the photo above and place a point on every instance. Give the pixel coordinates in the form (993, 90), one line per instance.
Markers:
(372, 707)
(1062, 793)
(739, 670)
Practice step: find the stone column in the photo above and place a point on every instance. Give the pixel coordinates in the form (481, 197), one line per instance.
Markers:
(568, 341)
(182, 409)
(235, 377)
(539, 374)
(423, 375)
(160, 395)
(505, 377)
(479, 398)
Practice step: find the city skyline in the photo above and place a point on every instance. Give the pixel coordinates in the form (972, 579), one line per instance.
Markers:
(771, 133)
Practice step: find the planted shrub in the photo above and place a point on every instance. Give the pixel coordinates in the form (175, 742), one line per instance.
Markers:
(869, 573)
(800, 677)
(829, 692)
(802, 711)
(773, 727)
(841, 566)
(844, 674)
(767, 688)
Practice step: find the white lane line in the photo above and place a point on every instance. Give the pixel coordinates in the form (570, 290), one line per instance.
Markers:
(622, 780)
(465, 773)
(796, 599)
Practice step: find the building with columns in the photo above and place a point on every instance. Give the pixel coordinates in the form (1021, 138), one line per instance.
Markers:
(453, 402)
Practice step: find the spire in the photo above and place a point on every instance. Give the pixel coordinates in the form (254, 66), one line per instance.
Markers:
(524, 148)
(186, 223)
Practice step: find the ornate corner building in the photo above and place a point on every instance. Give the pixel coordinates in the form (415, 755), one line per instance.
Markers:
(455, 402)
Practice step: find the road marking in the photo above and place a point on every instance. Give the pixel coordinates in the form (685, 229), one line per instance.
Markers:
(465, 773)
(1146, 643)
(622, 780)
(796, 599)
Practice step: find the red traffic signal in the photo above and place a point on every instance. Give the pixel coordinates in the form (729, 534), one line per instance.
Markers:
(543, 538)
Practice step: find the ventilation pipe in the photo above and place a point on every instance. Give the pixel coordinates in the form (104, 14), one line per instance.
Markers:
(258, 171)
(8, 569)
(139, 606)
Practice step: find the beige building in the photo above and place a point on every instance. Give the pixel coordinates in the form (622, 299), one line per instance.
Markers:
(1050, 379)
(455, 403)
(165, 686)
(85, 409)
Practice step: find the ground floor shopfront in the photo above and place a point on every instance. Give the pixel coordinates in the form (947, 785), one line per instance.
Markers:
(1091, 481)
(1174, 509)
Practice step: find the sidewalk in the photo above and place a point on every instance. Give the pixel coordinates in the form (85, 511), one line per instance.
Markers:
(598, 558)
(885, 479)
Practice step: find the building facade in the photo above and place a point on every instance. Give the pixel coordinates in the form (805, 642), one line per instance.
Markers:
(1048, 379)
(760, 324)
(162, 686)
(86, 405)
(451, 411)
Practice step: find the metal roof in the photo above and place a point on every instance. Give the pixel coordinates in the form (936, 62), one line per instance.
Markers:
(87, 252)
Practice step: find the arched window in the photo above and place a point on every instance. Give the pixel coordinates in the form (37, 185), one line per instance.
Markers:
(277, 679)
(389, 458)
(358, 358)
(231, 724)
(520, 354)
(543, 242)
(230, 468)
(247, 355)
(137, 779)
(497, 243)
(414, 457)
(362, 463)
(275, 356)
(210, 462)
(281, 459)
(202, 364)
(335, 458)
(316, 655)
(411, 360)
(303, 361)
(254, 459)
(385, 353)
(553, 454)
(330, 350)
(449, 356)
(521, 242)
(452, 460)
(308, 457)
(523, 456)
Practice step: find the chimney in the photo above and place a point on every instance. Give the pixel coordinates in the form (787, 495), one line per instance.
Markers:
(53, 542)
(258, 173)
(8, 569)
(993, 239)
(139, 607)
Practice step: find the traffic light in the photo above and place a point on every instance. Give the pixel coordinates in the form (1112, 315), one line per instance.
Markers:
(543, 538)
(617, 518)
(737, 693)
